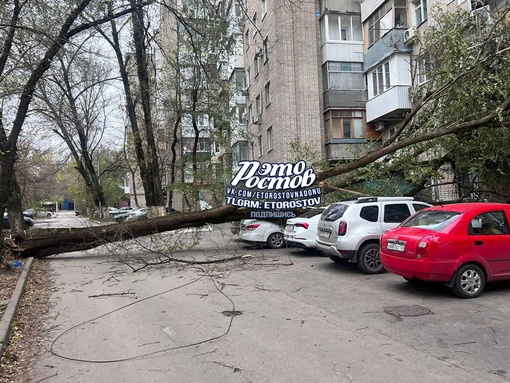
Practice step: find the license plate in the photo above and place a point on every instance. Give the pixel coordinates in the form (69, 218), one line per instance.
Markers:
(325, 234)
(395, 245)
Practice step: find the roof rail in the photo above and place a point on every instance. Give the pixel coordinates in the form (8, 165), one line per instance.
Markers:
(382, 199)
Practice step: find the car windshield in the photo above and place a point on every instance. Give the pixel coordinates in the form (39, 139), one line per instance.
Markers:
(334, 212)
(312, 213)
(435, 220)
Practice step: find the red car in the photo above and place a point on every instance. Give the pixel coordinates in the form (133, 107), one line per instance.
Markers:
(464, 245)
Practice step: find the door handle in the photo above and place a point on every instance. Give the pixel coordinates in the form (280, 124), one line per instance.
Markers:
(478, 243)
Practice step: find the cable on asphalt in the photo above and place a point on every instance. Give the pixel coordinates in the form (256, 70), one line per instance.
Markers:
(53, 352)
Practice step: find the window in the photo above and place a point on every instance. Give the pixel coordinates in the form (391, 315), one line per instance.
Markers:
(241, 113)
(265, 51)
(258, 105)
(239, 80)
(492, 223)
(400, 14)
(270, 139)
(343, 75)
(370, 213)
(343, 28)
(216, 147)
(256, 64)
(259, 144)
(343, 124)
(381, 79)
(250, 111)
(421, 71)
(202, 145)
(396, 213)
(420, 11)
(248, 76)
(267, 94)
(255, 24)
(263, 6)
(380, 22)
(247, 39)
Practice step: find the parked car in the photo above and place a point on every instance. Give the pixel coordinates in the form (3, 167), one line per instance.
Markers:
(464, 245)
(124, 209)
(29, 213)
(6, 224)
(261, 232)
(121, 217)
(137, 215)
(349, 231)
(113, 210)
(302, 231)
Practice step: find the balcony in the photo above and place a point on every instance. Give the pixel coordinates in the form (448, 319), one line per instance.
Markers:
(391, 104)
(348, 149)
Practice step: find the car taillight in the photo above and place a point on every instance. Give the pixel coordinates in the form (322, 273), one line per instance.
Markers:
(423, 247)
(252, 227)
(342, 228)
(302, 224)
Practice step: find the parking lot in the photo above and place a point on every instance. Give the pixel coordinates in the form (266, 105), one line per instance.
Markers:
(282, 315)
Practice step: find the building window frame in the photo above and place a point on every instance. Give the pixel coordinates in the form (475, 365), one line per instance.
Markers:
(265, 50)
(267, 93)
(331, 68)
(260, 146)
(344, 124)
(343, 28)
(263, 7)
(269, 134)
(381, 79)
(420, 12)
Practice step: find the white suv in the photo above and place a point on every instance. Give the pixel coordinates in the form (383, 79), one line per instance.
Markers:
(349, 231)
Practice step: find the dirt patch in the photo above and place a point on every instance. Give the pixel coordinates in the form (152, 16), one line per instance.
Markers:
(27, 330)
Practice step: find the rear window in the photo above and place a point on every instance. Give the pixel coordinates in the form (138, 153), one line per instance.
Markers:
(312, 213)
(435, 220)
(334, 212)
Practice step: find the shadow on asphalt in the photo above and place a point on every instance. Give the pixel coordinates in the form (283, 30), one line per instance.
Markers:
(439, 289)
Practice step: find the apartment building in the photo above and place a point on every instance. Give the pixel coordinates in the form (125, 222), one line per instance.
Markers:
(304, 79)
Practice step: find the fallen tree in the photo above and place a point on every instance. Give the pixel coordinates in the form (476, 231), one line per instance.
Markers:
(44, 242)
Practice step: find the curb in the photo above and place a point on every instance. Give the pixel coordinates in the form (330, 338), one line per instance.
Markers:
(12, 306)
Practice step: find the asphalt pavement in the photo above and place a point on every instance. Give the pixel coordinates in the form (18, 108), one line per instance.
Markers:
(264, 316)
(167, 309)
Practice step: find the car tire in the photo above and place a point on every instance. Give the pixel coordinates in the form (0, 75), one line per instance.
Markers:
(369, 260)
(276, 241)
(469, 281)
(48, 215)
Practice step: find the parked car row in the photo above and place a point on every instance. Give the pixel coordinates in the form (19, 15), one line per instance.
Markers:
(464, 245)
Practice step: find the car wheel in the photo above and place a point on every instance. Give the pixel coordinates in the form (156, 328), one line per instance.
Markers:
(48, 215)
(469, 281)
(368, 259)
(275, 241)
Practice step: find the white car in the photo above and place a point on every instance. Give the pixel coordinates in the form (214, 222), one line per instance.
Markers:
(260, 232)
(137, 215)
(302, 231)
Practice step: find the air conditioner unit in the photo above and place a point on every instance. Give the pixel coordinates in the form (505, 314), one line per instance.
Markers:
(255, 119)
(379, 126)
(258, 51)
(410, 34)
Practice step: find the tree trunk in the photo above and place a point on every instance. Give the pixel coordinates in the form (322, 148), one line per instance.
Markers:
(45, 242)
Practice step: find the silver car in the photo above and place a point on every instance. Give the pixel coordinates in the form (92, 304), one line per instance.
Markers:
(349, 231)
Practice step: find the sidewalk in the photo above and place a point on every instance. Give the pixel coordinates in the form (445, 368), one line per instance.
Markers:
(10, 311)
